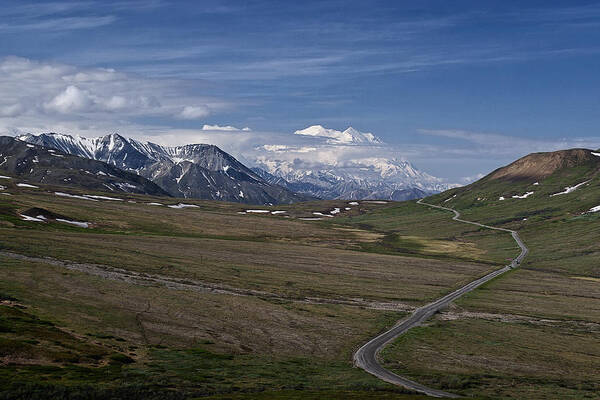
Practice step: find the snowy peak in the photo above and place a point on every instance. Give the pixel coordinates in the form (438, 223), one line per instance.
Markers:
(195, 171)
(349, 136)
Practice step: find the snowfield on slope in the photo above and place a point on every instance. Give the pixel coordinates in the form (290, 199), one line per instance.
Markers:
(182, 205)
(570, 189)
(76, 223)
(522, 196)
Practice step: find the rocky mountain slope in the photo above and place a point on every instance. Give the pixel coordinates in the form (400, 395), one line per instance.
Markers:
(192, 171)
(37, 164)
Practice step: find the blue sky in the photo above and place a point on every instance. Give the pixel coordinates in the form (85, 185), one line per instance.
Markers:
(458, 87)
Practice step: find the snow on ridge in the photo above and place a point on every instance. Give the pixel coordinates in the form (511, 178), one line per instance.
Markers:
(570, 189)
(30, 219)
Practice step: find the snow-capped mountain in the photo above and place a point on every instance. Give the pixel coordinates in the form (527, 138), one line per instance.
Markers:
(349, 136)
(194, 171)
(374, 178)
(37, 164)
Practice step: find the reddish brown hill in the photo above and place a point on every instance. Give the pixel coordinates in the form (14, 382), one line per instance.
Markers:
(542, 165)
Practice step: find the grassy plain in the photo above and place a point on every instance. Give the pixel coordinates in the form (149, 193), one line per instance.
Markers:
(114, 338)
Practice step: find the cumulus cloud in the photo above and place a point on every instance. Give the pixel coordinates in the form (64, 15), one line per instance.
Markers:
(47, 96)
(69, 100)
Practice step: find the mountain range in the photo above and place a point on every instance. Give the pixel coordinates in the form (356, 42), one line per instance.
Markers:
(192, 171)
(206, 172)
(354, 178)
(37, 164)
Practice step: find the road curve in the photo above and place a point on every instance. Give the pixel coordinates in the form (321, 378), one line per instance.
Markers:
(366, 356)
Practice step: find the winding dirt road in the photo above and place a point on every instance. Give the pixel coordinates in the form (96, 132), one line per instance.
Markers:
(366, 356)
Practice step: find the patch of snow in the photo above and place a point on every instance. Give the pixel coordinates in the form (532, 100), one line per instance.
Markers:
(6, 194)
(101, 173)
(311, 219)
(5, 177)
(122, 185)
(61, 194)
(76, 223)
(27, 185)
(570, 189)
(30, 219)
(353, 203)
(41, 217)
(57, 155)
(241, 194)
(154, 204)
(535, 183)
(30, 146)
(594, 209)
(335, 211)
(449, 198)
(258, 211)
(501, 198)
(242, 212)
(181, 205)
(103, 197)
(278, 212)
(522, 196)
(596, 154)
(322, 215)
(375, 201)
(348, 208)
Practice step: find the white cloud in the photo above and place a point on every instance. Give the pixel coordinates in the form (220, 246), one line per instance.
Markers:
(194, 112)
(227, 128)
(482, 144)
(44, 96)
(11, 110)
(69, 100)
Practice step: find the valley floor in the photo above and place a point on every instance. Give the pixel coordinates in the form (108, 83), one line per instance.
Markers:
(205, 301)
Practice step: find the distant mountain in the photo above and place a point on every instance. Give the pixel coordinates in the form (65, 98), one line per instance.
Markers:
(194, 171)
(37, 164)
(375, 178)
